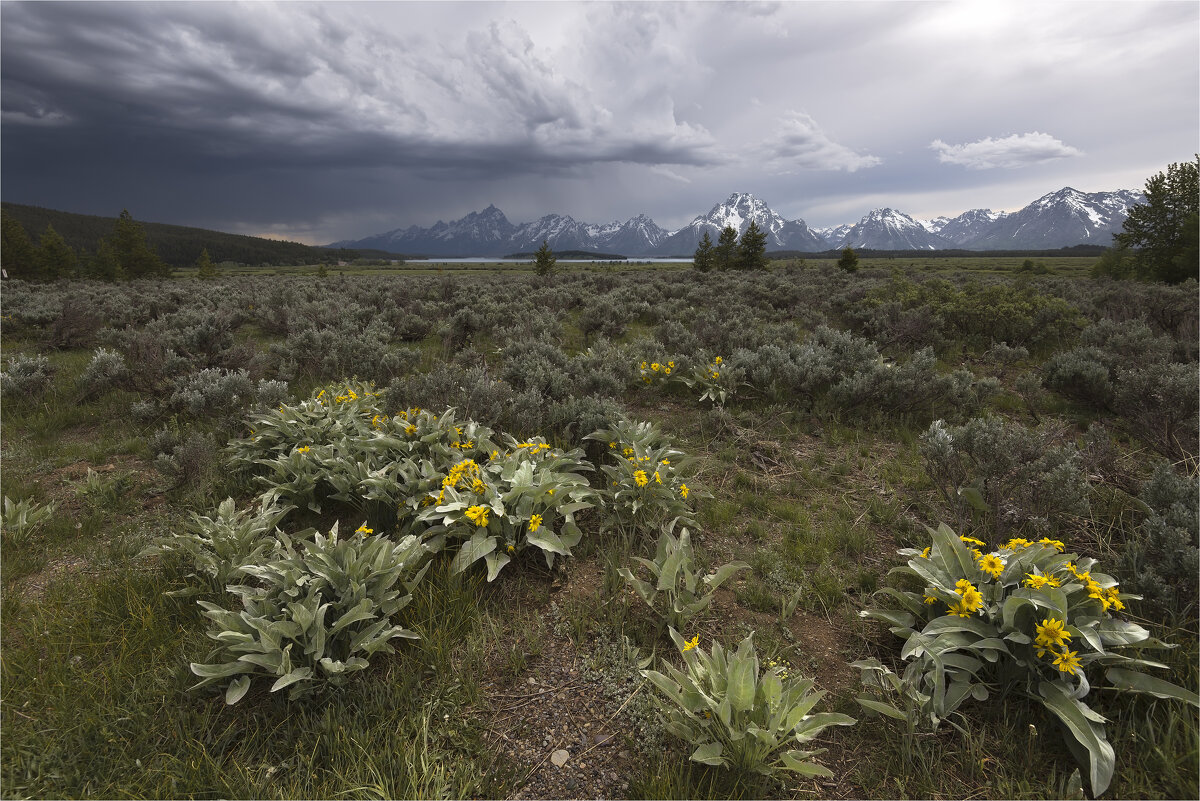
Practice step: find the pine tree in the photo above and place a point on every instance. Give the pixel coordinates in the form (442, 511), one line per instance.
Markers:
(104, 264)
(137, 258)
(753, 249)
(55, 258)
(726, 250)
(704, 258)
(17, 255)
(544, 262)
(204, 266)
(1163, 230)
(849, 260)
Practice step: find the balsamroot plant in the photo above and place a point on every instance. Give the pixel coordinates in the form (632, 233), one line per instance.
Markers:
(738, 716)
(312, 613)
(19, 519)
(644, 488)
(677, 593)
(526, 497)
(218, 547)
(1025, 619)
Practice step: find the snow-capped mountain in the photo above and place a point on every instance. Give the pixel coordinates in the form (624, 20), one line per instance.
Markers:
(1060, 219)
(737, 211)
(967, 226)
(486, 231)
(888, 229)
(833, 235)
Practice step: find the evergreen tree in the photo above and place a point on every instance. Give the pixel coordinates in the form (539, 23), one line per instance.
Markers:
(753, 249)
(726, 250)
(1163, 229)
(704, 258)
(137, 258)
(17, 255)
(544, 262)
(204, 266)
(55, 258)
(104, 264)
(849, 260)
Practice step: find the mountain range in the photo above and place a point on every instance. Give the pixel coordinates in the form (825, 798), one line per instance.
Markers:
(1060, 219)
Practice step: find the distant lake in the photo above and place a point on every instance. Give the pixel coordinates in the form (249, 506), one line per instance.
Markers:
(488, 259)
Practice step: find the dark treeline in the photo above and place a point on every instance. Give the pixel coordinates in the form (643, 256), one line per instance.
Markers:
(175, 245)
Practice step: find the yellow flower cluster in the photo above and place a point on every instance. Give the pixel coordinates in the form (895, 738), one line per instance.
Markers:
(655, 369)
(364, 530)
(970, 599)
(478, 515)
(535, 522)
(640, 478)
(714, 369)
(1052, 634)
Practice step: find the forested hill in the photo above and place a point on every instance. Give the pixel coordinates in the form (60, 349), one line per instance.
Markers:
(177, 245)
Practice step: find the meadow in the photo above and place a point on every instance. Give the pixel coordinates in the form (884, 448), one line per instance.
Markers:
(454, 531)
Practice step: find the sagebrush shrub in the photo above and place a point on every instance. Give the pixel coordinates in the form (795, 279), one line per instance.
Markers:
(26, 376)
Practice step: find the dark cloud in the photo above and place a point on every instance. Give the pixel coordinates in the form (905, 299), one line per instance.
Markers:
(334, 120)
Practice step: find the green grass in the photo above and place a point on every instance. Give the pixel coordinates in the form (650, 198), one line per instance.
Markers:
(94, 671)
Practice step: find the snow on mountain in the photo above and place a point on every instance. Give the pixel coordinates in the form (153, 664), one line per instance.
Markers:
(888, 229)
(969, 225)
(737, 212)
(833, 235)
(1060, 219)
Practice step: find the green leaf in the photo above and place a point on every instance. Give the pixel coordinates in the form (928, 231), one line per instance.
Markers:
(474, 549)
(791, 761)
(1090, 735)
(237, 689)
(882, 708)
(708, 754)
(1136, 682)
(299, 674)
(742, 680)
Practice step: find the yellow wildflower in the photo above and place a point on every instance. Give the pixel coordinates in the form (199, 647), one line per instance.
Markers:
(535, 522)
(692, 643)
(930, 599)
(640, 478)
(925, 553)
(511, 548)
(683, 490)
(973, 541)
(1067, 661)
(364, 530)
(1017, 542)
(1051, 634)
(1036, 581)
(717, 360)
(657, 478)
(1058, 545)
(478, 515)
(991, 565)
(655, 367)
(303, 449)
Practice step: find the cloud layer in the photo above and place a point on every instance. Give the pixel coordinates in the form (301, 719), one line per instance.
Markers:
(335, 120)
(1018, 150)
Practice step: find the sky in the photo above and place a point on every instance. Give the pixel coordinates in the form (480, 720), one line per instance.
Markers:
(321, 121)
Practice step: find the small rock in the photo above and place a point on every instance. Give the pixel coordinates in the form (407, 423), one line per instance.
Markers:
(601, 739)
(560, 757)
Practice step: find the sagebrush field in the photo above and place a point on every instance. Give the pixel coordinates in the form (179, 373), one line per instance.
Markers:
(903, 532)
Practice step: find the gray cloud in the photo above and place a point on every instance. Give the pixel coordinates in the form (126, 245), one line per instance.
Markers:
(336, 120)
(1017, 150)
(801, 144)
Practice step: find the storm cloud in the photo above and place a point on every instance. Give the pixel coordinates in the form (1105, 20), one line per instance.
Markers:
(322, 121)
